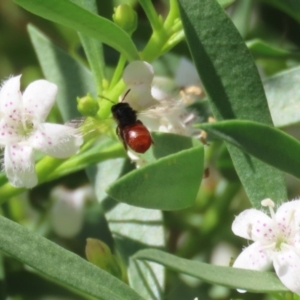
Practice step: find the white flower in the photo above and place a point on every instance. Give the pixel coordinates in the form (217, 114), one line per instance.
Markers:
(160, 108)
(22, 129)
(138, 76)
(67, 213)
(276, 241)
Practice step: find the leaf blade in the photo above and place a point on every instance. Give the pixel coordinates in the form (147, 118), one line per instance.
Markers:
(174, 175)
(73, 16)
(249, 280)
(278, 150)
(61, 265)
(233, 85)
(73, 79)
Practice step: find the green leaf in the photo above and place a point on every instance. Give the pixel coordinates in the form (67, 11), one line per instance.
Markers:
(72, 78)
(233, 86)
(61, 265)
(170, 182)
(252, 281)
(283, 95)
(93, 48)
(75, 17)
(266, 143)
(261, 49)
(133, 229)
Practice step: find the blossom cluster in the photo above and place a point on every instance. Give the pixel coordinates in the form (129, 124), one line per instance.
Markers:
(276, 241)
(158, 108)
(23, 129)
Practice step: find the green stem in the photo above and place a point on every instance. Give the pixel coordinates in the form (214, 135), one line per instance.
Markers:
(173, 41)
(173, 14)
(154, 46)
(118, 72)
(151, 14)
(43, 168)
(85, 160)
(113, 94)
(50, 168)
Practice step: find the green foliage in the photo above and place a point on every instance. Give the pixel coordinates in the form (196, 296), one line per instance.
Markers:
(181, 159)
(279, 150)
(60, 265)
(69, 14)
(244, 279)
(216, 46)
(183, 196)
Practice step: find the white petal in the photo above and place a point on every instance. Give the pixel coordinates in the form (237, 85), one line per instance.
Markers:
(254, 225)
(138, 72)
(136, 158)
(287, 267)
(9, 131)
(253, 257)
(67, 213)
(186, 74)
(288, 214)
(10, 96)
(38, 99)
(19, 166)
(56, 140)
(140, 97)
(163, 88)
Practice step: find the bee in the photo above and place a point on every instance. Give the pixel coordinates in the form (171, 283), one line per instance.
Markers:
(131, 131)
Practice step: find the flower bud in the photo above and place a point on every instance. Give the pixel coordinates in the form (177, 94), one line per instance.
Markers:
(99, 254)
(126, 18)
(87, 106)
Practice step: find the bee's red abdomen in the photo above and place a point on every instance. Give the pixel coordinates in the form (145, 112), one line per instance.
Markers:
(137, 137)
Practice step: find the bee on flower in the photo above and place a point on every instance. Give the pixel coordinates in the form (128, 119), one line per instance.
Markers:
(157, 109)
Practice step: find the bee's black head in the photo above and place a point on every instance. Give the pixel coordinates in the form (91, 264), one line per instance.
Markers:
(123, 114)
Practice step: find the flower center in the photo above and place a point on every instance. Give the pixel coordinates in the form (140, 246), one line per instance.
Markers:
(283, 231)
(26, 128)
(279, 241)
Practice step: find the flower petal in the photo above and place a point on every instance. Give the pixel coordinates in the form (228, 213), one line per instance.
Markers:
(10, 96)
(287, 267)
(140, 97)
(38, 99)
(186, 74)
(288, 214)
(9, 131)
(254, 225)
(67, 213)
(19, 166)
(138, 72)
(253, 257)
(56, 140)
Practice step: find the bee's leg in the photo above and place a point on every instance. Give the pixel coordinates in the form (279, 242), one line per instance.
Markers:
(121, 137)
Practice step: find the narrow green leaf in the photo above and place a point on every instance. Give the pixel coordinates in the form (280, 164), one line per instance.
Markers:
(61, 265)
(233, 86)
(170, 182)
(283, 95)
(261, 49)
(72, 78)
(266, 143)
(93, 48)
(75, 17)
(252, 281)
(133, 228)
